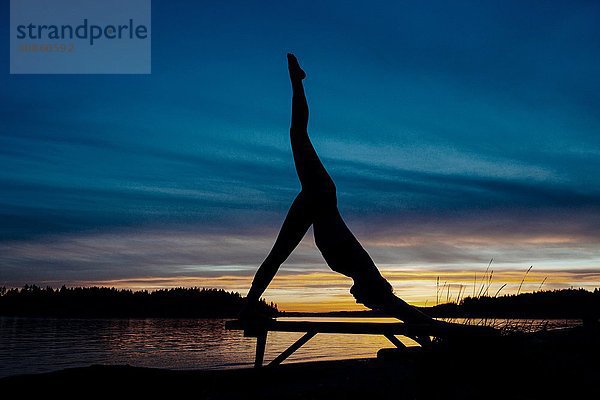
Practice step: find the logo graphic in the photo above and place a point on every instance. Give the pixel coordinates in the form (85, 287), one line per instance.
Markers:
(80, 37)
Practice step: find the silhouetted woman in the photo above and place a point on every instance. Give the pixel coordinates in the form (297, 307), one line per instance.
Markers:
(316, 205)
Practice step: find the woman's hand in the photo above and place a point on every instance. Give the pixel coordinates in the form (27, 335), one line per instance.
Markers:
(252, 311)
(253, 318)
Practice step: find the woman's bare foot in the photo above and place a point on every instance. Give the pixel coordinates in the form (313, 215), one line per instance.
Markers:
(294, 67)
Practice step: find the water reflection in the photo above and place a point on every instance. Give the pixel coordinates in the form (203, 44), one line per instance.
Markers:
(30, 345)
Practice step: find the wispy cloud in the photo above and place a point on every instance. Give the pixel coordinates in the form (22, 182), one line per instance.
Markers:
(455, 134)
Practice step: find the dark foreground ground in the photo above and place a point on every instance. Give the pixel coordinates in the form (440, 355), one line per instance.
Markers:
(563, 364)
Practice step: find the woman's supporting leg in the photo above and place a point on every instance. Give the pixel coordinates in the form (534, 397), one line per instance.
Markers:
(311, 172)
(297, 222)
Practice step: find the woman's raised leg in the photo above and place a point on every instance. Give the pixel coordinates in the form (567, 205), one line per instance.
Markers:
(311, 172)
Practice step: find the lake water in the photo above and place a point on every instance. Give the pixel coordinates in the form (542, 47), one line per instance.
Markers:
(29, 345)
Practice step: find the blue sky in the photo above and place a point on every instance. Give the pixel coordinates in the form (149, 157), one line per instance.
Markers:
(455, 132)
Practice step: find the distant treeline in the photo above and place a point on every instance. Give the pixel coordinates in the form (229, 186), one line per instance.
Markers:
(105, 302)
(565, 303)
(102, 302)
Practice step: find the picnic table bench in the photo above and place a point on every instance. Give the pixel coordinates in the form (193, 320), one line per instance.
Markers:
(312, 328)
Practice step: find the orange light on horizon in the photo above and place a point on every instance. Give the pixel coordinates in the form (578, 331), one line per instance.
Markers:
(328, 291)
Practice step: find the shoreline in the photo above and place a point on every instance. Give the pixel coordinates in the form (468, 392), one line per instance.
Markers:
(554, 365)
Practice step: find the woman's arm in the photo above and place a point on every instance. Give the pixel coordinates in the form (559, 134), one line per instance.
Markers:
(296, 223)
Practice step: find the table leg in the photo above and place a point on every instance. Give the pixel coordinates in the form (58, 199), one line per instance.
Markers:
(261, 342)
